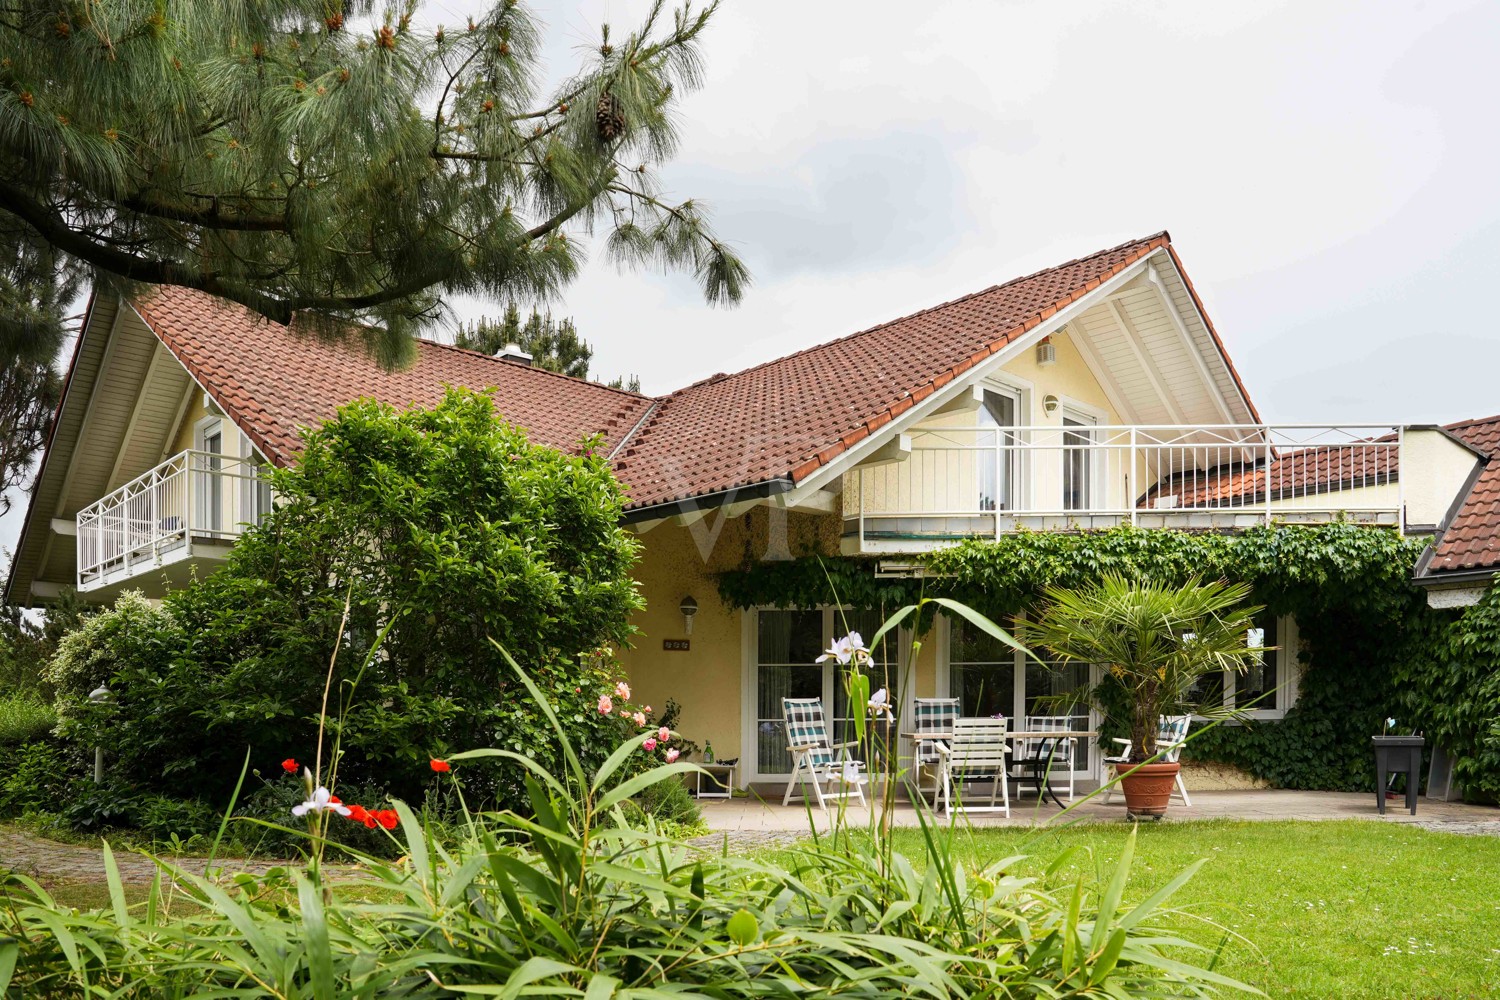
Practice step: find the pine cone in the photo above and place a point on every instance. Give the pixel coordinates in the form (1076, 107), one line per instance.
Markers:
(609, 117)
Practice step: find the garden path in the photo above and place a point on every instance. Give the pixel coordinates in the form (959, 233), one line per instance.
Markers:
(50, 862)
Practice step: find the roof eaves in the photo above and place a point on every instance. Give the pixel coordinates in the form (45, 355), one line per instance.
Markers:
(1218, 341)
(62, 399)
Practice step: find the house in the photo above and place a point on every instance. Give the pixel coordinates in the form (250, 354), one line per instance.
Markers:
(1090, 394)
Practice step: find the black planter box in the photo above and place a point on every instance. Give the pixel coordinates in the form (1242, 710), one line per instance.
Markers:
(1398, 755)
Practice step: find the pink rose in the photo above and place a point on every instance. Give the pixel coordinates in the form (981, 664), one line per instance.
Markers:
(605, 704)
(664, 734)
(647, 710)
(639, 719)
(672, 755)
(650, 744)
(622, 690)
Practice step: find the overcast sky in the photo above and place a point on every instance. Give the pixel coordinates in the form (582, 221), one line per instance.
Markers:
(1328, 172)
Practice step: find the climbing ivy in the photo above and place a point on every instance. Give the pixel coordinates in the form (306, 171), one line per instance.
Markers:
(1371, 646)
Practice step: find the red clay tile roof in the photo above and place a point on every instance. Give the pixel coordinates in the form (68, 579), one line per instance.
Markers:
(272, 380)
(776, 422)
(1471, 540)
(1295, 472)
(785, 419)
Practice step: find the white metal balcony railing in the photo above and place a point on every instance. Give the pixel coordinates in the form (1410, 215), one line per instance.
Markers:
(959, 482)
(193, 497)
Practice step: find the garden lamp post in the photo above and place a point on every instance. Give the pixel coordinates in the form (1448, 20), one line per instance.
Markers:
(99, 696)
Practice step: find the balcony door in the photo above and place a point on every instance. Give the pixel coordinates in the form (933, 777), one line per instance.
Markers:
(207, 470)
(996, 450)
(1079, 456)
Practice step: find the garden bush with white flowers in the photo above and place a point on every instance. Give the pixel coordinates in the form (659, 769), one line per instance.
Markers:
(401, 543)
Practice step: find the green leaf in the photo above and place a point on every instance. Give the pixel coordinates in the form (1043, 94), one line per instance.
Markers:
(743, 928)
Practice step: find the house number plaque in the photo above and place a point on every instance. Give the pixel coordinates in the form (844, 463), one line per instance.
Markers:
(675, 645)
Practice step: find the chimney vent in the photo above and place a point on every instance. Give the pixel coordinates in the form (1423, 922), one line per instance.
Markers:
(513, 352)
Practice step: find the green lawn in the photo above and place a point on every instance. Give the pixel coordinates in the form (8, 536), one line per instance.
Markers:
(1333, 909)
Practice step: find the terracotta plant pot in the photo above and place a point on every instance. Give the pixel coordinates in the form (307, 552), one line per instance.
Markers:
(1149, 789)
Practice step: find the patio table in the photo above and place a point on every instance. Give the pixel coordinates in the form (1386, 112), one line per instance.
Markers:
(1039, 771)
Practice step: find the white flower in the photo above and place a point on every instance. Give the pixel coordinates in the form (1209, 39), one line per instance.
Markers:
(850, 647)
(880, 703)
(1390, 723)
(322, 801)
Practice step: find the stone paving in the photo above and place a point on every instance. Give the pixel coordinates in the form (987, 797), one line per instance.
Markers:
(50, 862)
(753, 815)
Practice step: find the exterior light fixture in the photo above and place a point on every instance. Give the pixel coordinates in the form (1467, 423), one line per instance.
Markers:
(1049, 403)
(1046, 352)
(689, 608)
(99, 696)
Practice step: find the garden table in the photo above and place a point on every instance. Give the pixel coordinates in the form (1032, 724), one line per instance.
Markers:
(1040, 771)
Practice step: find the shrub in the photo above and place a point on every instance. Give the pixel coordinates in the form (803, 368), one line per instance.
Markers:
(553, 905)
(35, 777)
(24, 718)
(670, 801)
(426, 531)
(133, 634)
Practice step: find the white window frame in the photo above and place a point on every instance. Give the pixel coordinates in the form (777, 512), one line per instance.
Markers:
(749, 766)
(1288, 666)
(1098, 467)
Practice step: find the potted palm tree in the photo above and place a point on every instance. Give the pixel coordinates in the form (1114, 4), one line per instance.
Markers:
(1155, 641)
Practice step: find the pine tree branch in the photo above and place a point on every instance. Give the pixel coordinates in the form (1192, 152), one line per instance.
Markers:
(209, 218)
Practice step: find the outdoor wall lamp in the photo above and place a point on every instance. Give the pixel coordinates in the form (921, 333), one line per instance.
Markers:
(689, 608)
(1049, 403)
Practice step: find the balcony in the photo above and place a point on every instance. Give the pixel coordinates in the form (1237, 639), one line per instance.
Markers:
(187, 510)
(959, 482)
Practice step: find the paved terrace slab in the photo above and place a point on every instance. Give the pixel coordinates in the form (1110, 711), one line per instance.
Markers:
(751, 816)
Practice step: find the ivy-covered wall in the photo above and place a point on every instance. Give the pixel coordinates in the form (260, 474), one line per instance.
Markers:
(1371, 648)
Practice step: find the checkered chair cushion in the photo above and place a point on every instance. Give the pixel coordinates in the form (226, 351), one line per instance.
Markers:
(932, 715)
(806, 726)
(1171, 731)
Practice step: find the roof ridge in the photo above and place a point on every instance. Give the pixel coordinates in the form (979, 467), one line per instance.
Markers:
(1471, 422)
(501, 361)
(720, 377)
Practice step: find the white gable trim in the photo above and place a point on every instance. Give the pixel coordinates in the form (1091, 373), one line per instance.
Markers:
(861, 451)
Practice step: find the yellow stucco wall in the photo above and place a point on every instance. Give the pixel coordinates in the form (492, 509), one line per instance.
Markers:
(708, 680)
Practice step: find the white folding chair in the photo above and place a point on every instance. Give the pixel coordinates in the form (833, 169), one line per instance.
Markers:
(1171, 737)
(977, 752)
(932, 715)
(817, 760)
(1048, 756)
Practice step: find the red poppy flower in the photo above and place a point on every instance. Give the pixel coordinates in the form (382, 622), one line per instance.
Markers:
(386, 818)
(289, 765)
(362, 815)
(441, 766)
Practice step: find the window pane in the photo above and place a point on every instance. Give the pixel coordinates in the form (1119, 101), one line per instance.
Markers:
(1051, 680)
(787, 643)
(790, 637)
(981, 672)
(1253, 687)
(884, 672)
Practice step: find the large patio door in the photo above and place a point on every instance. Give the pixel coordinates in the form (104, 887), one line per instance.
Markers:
(989, 678)
(785, 645)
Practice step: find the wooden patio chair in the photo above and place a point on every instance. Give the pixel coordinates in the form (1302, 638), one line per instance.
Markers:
(977, 752)
(816, 759)
(1171, 737)
(932, 715)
